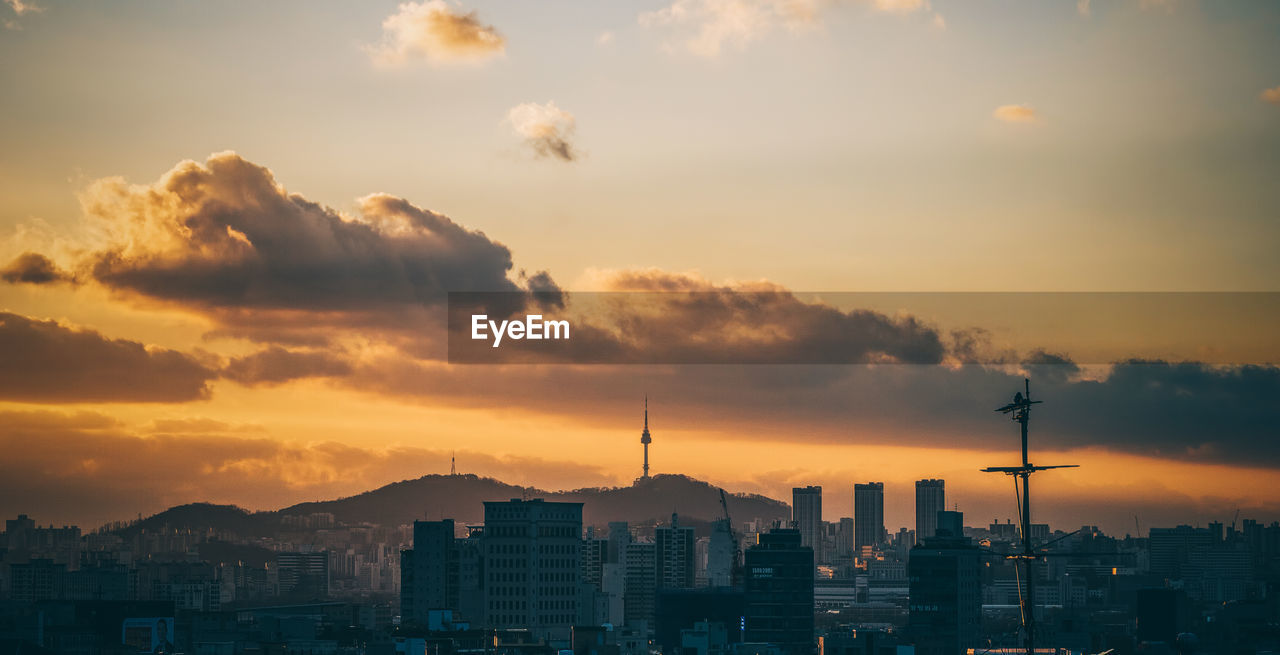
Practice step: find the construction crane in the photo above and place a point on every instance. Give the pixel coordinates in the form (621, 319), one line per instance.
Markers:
(735, 568)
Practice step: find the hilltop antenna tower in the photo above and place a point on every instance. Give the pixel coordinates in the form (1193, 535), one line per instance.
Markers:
(453, 464)
(1020, 409)
(645, 438)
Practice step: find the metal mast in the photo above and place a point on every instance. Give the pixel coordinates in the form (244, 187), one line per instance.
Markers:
(1020, 409)
(645, 438)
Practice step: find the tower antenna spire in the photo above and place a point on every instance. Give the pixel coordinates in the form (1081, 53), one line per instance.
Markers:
(1020, 409)
(645, 439)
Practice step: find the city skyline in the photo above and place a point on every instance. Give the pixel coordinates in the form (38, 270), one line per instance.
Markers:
(227, 236)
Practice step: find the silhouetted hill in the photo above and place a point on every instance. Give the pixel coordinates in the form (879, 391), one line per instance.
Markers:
(462, 497)
(201, 517)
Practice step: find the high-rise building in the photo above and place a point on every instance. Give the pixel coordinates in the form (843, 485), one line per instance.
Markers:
(845, 538)
(533, 565)
(868, 515)
(674, 556)
(639, 597)
(720, 554)
(806, 515)
(945, 595)
(429, 572)
(779, 592)
(595, 554)
(931, 498)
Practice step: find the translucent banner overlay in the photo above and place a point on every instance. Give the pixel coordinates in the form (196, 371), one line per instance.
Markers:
(783, 327)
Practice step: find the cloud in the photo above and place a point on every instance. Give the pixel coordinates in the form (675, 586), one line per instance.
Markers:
(898, 6)
(1015, 113)
(547, 129)
(1084, 8)
(710, 25)
(23, 8)
(276, 365)
(34, 268)
(605, 38)
(46, 362)
(87, 468)
(1271, 95)
(435, 32)
(225, 239)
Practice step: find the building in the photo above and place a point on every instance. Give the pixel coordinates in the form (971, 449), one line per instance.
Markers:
(931, 498)
(595, 554)
(532, 566)
(429, 572)
(779, 592)
(1170, 548)
(868, 515)
(721, 554)
(945, 592)
(304, 574)
(806, 516)
(679, 610)
(844, 539)
(674, 557)
(641, 585)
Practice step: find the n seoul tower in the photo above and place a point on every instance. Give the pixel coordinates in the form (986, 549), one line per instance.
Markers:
(645, 438)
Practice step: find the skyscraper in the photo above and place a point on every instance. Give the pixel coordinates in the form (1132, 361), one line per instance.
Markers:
(931, 498)
(533, 564)
(945, 590)
(868, 515)
(429, 572)
(674, 557)
(779, 592)
(640, 596)
(806, 514)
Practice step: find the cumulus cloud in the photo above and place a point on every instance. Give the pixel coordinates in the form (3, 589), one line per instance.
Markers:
(46, 362)
(710, 25)
(546, 129)
(34, 268)
(435, 32)
(666, 318)
(277, 365)
(1084, 8)
(1015, 113)
(225, 239)
(1271, 95)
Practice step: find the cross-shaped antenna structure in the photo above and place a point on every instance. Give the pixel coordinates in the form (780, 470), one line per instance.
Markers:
(1020, 409)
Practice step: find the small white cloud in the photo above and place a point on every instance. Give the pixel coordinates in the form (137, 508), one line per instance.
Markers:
(1271, 95)
(1015, 113)
(605, 38)
(713, 24)
(546, 129)
(1084, 8)
(433, 31)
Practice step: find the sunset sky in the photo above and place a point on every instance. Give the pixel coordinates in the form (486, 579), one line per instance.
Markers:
(226, 230)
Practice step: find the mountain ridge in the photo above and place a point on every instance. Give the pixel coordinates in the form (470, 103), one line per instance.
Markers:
(461, 497)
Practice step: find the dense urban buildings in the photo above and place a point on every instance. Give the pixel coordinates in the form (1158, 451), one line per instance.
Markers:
(532, 577)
